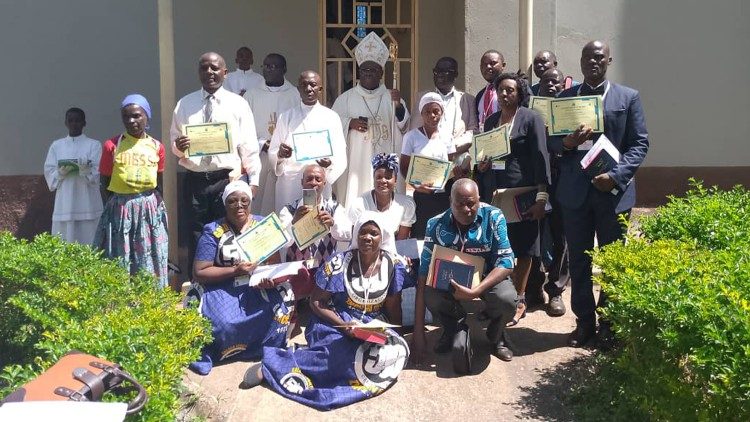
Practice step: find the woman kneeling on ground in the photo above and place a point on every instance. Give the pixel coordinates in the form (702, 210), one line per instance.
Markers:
(336, 368)
(243, 319)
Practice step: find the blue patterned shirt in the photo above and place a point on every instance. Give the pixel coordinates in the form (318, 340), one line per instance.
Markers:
(487, 237)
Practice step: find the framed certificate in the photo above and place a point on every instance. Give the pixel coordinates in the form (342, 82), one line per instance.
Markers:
(423, 170)
(263, 239)
(208, 139)
(308, 229)
(494, 144)
(566, 114)
(312, 145)
(541, 106)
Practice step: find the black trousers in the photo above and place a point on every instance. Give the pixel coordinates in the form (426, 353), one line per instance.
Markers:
(203, 194)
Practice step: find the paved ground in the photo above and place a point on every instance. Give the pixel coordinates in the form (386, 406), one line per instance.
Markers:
(528, 388)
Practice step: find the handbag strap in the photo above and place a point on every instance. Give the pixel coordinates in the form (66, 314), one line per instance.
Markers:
(116, 379)
(94, 383)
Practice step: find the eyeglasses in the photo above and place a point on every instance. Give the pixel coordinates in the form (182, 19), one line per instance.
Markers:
(443, 72)
(241, 203)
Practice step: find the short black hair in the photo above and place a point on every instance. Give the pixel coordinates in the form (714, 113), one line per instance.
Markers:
(502, 58)
(245, 48)
(75, 110)
(521, 83)
(450, 60)
(279, 57)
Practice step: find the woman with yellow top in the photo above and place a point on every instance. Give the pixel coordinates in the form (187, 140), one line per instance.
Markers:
(133, 226)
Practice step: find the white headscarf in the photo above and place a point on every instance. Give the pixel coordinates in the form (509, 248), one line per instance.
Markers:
(430, 97)
(386, 238)
(236, 186)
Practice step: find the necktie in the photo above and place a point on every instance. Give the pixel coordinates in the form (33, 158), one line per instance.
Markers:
(208, 111)
(587, 90)
(489, 98)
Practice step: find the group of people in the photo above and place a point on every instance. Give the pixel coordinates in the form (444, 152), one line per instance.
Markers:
(354, 274)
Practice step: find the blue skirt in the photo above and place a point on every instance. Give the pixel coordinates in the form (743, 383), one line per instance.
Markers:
(243, 321)
(334, 370)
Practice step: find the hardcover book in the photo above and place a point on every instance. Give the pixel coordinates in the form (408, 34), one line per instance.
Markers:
(445, 271)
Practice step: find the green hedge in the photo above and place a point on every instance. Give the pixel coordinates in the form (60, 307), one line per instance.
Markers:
(57, 296)
(680, 303)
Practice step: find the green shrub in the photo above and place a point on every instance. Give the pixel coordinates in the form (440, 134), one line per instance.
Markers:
(712, 218)
(680, 303)
(56, 296)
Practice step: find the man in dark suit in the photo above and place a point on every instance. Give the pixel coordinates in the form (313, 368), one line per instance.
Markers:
(593, 206)
(491, 65)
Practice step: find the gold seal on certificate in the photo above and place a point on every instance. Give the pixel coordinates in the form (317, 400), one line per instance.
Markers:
(426, 170)
(494, 144)
(567, 114)
(263, 239)
(208, 139)
(308, 229)
(541, 106)
(312, 145)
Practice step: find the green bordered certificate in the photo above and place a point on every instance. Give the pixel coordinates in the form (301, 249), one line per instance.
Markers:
(312, 145)
(263, 239)
(424, 170)
(308, 229)
(71, 163)
(541, 106)
(494, 144)
(208, 139)
(566, 114)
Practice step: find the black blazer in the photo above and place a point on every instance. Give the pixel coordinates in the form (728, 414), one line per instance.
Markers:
(625, 126)
(528, 162)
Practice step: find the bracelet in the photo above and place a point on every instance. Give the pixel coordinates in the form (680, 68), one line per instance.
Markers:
(542, 196)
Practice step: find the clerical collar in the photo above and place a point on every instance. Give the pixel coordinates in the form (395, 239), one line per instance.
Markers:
(447, 96)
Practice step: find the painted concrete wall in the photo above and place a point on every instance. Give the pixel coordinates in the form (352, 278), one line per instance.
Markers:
(81, 53)
(289, 28)
(441, 33)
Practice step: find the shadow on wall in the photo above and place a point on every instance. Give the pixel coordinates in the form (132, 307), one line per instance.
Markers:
(26, 205)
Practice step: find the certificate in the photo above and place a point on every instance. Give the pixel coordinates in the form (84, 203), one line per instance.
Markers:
(312, 145)
(541, 105)
(566, 114)
(424, 170)
(494, 144)
(263, 240)
(207, 139)
(308, 229)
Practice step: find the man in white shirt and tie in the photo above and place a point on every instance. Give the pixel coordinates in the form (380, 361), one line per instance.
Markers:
(208, 175)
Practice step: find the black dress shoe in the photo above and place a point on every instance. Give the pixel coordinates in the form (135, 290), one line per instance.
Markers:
(605, 338)
(556, 306)
(445, 343)
(583, 333)
(503, 349)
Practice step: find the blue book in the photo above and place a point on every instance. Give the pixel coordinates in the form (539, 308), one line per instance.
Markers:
(445, 271)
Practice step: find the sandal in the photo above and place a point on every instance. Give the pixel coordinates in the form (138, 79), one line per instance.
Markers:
(520, 313)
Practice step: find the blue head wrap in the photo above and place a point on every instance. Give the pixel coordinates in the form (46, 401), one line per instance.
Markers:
(138, 100)
(383, 160)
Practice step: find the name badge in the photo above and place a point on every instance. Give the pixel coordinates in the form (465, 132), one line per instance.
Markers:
(586, 145)
(498, 165)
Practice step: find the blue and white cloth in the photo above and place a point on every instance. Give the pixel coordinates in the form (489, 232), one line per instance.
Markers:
(335, 370)
(243, 319)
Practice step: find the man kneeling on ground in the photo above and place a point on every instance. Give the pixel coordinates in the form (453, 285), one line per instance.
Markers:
(475, 228)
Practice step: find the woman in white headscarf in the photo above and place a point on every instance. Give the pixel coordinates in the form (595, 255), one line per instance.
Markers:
(427, 140)
(341, 364)
(243, 319)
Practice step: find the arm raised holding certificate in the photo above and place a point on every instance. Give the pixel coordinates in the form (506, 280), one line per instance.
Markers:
(566, 115)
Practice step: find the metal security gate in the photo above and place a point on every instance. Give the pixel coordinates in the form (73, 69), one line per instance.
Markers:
(346, 22)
